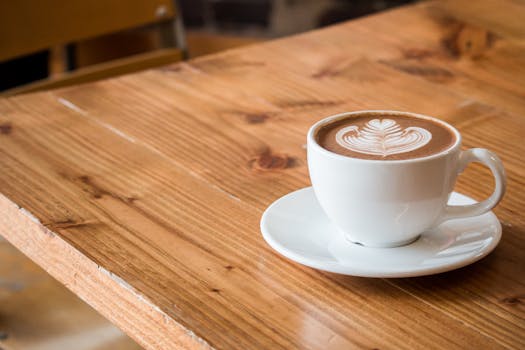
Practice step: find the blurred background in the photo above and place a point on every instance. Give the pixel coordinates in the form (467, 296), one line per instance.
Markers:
(58, 43)
(266, 19)
(46, 44)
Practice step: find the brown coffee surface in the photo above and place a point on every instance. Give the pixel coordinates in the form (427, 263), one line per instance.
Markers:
(385, 137)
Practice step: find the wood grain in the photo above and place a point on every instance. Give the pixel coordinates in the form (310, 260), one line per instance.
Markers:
(99, 71)
(151, 186)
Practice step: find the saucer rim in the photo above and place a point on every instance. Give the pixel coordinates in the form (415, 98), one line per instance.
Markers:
(334, 267)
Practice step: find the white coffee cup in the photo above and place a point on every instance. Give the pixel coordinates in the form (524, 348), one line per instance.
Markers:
(388, 203)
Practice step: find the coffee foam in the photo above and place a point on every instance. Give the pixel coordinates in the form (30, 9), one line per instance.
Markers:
(385, 135)
(382, 137)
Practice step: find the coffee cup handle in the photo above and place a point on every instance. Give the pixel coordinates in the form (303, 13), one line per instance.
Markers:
(492, 161)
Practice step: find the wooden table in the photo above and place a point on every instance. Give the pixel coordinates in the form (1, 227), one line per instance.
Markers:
(143, 194)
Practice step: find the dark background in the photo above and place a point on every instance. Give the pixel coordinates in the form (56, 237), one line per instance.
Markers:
(263, 17)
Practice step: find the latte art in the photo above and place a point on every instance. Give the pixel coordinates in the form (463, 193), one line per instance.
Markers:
(385, 136)
(382, 137)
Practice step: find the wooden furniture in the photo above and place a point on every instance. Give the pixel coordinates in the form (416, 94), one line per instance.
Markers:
(27, 26)
(143, 194)
(204, 43)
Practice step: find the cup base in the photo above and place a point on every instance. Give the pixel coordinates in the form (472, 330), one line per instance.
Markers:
(383, 245)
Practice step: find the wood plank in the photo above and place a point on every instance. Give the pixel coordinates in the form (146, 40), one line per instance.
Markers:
(448, 48)
(274, 119)
(283, 107)
(199, 149)
(204, 271)
(100, 71)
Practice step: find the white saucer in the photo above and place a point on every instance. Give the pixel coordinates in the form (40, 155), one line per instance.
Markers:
(296, 226)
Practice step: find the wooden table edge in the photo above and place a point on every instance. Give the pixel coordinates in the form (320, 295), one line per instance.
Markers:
(91, 282)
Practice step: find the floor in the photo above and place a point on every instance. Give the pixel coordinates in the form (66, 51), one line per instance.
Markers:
(39, 313)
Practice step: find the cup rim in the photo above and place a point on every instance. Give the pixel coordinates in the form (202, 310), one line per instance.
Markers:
(333, 118)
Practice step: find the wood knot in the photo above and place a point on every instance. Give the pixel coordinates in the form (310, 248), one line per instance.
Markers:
(430, 72)
(249, 117)
(67, 224)
(215, 290)
(469, 41)
(514, 300)
(129, 200)
(6, 128)
(90, 187)
(267, 161)
(256, 118)
(229, 267)
(96, 191)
